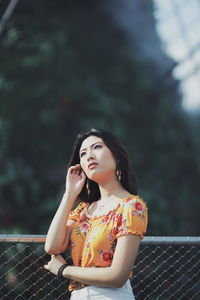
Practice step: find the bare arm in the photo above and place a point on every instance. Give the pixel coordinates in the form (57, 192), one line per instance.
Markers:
(58, 235)
(114, 276)
(59, 231)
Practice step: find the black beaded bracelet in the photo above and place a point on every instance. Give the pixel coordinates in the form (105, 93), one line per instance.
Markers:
(60, 271)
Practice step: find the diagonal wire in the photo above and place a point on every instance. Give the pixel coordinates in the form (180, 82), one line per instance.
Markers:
(7, 14)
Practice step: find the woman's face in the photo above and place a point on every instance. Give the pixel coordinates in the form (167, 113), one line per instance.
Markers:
(96, 159)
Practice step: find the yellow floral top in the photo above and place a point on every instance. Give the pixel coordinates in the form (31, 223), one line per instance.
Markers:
(93, 239)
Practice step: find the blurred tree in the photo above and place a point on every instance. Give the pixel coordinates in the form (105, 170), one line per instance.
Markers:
(67, 67)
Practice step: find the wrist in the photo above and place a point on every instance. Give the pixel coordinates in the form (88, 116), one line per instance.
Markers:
(66, 272)
(61, 270)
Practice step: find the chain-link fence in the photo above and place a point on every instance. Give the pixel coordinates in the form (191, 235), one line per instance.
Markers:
(166, 268)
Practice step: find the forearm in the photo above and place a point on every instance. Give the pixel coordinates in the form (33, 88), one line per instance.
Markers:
(56, 236)
(101, 277)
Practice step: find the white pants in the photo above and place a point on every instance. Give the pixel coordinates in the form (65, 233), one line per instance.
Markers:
(100, 293)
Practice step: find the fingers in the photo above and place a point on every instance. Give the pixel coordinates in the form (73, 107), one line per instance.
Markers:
(46, 267)
(76, 170)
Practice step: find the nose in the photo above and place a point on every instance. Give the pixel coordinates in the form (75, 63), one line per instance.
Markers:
(90, 156)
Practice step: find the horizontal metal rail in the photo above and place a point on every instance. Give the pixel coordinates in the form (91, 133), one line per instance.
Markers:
(22, 238)
(25, 238)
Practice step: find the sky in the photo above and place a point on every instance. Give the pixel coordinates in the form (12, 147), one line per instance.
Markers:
(178, 25)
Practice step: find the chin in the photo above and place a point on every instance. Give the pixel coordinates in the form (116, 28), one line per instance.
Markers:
(94, 177)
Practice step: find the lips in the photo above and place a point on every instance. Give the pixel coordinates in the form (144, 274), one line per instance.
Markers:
(92, 164)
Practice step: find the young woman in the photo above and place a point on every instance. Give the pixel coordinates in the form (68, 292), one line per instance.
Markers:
(105, 229)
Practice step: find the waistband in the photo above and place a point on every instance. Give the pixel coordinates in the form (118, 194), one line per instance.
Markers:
(76, 285)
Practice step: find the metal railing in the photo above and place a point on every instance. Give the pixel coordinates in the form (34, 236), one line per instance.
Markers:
(166, 268)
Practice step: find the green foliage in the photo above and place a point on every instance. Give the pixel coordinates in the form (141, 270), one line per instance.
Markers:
(68, 68)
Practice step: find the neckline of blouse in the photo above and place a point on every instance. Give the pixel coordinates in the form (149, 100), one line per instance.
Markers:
(106, 214)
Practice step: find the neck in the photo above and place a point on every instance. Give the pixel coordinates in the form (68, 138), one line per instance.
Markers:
(111, 188)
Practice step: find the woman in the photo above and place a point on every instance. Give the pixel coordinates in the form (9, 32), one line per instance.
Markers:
(105, 229)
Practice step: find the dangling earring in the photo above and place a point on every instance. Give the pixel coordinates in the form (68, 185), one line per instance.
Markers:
(119, 174)
(87, 187)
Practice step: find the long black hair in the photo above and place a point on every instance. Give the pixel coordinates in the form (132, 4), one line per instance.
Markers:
(90, 191)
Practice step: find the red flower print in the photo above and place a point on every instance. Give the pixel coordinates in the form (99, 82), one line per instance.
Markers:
(84, 227)
(114, 231)
(83, 218)
(119, 220)
(112, 212)
(107, 256)
(138, 206)
(105, 219)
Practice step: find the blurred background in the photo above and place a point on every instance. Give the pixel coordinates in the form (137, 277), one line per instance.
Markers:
(130, 67)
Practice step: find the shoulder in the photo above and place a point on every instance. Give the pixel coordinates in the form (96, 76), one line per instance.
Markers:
(76, 212)
(135, 200)
(132, 217)
(80, 206)
(134, 203)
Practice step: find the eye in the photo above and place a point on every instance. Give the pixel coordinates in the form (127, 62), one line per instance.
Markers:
(97, 146)
(82, 153)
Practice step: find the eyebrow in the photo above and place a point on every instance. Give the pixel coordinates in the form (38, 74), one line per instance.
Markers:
(91, 146)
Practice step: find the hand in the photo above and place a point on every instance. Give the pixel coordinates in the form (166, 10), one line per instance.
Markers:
(55, 263)
(75, 179)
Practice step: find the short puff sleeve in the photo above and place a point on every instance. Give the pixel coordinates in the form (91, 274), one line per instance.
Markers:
(133, 217)
(76, 213)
